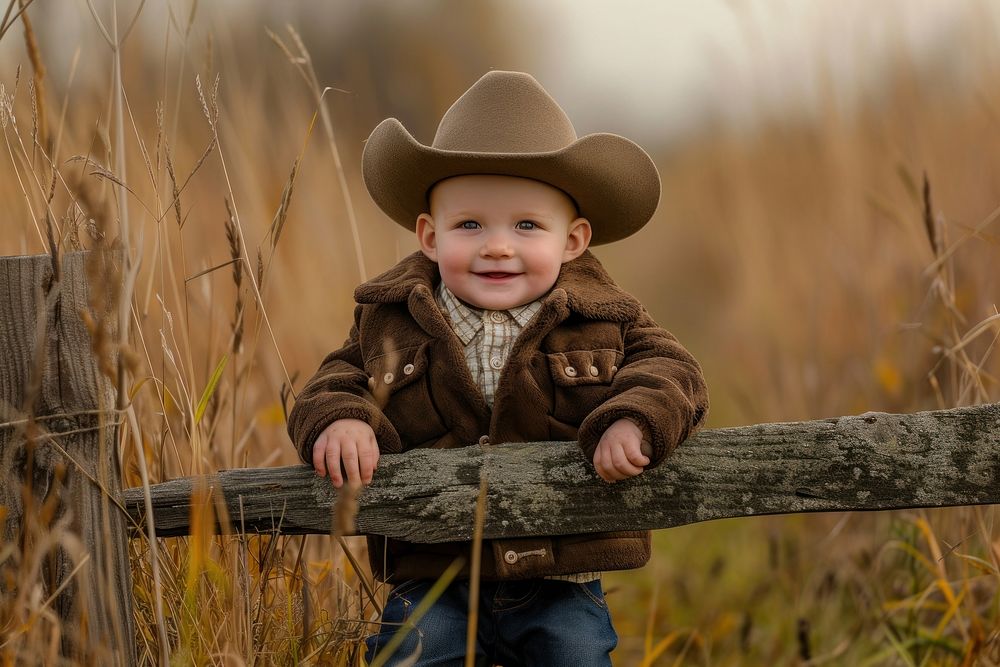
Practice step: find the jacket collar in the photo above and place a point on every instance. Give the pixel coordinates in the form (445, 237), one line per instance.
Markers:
(590, 292)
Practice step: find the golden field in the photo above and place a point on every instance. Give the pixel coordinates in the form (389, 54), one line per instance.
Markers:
(801, 258)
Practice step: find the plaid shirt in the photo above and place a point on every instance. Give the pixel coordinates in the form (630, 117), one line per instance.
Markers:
(487, 336)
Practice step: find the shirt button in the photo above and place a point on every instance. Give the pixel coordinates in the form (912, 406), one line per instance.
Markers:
(407, 369)
(594, 371)
(484, 440)
(497, 316)
(496, 363)
(371, 383)
(510, 557)
(388, 378)
(614, 369)
(570, 371)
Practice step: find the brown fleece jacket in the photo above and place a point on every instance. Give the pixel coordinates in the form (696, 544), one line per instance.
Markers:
(590, 356)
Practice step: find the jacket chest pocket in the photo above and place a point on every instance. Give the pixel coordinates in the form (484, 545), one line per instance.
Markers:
(398, 381)
(581, 381)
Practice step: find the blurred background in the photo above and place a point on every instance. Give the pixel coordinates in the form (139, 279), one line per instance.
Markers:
(826, 244)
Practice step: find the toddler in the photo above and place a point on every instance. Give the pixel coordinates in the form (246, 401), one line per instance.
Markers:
(503, 328)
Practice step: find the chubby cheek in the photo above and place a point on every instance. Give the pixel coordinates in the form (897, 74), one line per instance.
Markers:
(453, 266)
(449, 266)
(543, 267)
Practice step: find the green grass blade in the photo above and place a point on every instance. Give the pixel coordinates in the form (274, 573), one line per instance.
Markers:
(210, 388)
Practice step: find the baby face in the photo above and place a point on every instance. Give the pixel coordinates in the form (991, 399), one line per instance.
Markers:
(499, 241)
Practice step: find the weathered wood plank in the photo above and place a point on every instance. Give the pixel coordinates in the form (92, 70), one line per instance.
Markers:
(874, 461)
(58, 440)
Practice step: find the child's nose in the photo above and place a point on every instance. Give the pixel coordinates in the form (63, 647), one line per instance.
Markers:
(496, 245)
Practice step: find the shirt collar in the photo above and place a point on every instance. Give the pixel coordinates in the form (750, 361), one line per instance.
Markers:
(523, 314)
(468, 321)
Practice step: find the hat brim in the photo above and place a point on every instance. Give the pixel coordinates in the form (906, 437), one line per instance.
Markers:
(612, 180)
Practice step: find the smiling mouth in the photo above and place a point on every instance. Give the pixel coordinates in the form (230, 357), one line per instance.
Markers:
(496, 275)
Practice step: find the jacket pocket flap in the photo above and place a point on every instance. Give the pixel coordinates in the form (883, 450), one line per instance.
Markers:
(523, 558)
(394, 370)
(582, 367)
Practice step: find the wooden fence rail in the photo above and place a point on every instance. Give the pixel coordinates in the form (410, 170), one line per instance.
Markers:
(874, 461)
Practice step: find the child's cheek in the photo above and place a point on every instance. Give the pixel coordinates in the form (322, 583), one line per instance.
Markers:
(450, 272)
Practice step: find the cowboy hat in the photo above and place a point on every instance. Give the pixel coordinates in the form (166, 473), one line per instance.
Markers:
(507, 124)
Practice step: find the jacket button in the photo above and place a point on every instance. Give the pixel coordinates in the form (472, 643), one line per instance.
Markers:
(388, 378)
(570, 371)
(614, 369)
(496, 363)
(497, 316)
(484, 440)
(407, 369)
(510, 557)
(594, 371)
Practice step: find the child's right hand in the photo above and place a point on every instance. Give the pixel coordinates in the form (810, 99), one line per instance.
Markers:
(349, 443)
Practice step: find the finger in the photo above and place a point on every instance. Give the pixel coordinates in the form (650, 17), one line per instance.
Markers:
(603, 465)
(611, 475)
(599, 462)
(333, 462)
(376, 453)
(367, 455)
(349, 456)
(646, 447)
(621, 463)
(319, 455)
(635, 455)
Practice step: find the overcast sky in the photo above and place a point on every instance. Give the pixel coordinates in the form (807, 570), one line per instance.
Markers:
(662, 66)
(648, 68)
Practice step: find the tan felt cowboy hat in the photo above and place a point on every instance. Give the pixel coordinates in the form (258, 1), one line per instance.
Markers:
(507, 124)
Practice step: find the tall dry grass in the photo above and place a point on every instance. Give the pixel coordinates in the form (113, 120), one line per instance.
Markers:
(852, 265)
(804, 264)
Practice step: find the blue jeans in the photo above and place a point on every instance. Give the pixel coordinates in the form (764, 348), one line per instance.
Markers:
(533, 622)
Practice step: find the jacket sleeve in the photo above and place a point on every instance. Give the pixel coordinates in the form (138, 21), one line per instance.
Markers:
(339, 390)
(659, 386)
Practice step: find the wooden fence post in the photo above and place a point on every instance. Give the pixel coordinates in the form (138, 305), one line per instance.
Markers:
(60, 471)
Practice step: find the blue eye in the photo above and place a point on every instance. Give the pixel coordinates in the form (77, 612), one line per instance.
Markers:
(469, 224)
(526, 225)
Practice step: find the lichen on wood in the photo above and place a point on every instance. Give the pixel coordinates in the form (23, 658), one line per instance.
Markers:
(874, 461)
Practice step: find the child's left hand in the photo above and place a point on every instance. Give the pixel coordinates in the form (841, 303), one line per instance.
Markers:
(621, 453)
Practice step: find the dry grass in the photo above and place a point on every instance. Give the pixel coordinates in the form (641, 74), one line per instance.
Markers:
(808, 267)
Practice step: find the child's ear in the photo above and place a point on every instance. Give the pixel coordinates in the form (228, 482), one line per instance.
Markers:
(577, 239)
(427, 236)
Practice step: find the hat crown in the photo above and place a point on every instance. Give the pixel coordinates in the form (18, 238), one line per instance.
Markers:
(505, 112)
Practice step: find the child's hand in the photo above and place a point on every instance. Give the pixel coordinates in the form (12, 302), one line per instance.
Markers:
(621, 452)
(350, 442)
